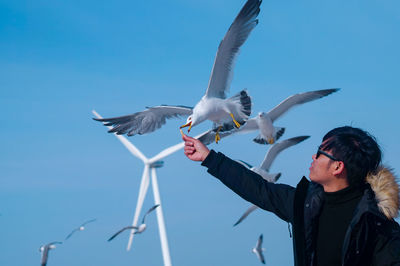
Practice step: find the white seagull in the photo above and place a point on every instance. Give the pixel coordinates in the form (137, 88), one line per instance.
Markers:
(213, 105)
(263, 170)
(44, 249)
(258, 249)
(264, 121)
(140, 228)
(80, 228)
(269, 158)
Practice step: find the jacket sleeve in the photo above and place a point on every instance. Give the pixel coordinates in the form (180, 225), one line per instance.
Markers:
(276, 198)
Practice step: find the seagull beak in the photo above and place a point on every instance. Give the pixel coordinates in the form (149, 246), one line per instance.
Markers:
(187, 125)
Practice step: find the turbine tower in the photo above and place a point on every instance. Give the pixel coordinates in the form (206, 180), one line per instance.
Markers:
(150, 165)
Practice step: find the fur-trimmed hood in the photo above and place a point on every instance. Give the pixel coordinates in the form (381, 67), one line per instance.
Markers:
(386, 189)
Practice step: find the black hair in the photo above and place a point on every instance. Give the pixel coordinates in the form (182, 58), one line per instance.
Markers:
(357, 149)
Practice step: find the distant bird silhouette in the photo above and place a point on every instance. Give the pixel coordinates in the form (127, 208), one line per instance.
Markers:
(80, 228)
(258, 249)
(139, 229)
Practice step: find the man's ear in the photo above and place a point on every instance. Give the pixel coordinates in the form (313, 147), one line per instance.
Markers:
(339, 168)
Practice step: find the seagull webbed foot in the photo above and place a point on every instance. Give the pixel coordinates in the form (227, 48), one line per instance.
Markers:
(217, 136)
(234, 120)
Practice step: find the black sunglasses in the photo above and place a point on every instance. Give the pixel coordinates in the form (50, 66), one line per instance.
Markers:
(319, 152)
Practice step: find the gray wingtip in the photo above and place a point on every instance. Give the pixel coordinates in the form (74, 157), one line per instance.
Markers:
(300, 138)
(237, 222)
(280, 132)
(260, 140)
(329, 91)
(278, 175)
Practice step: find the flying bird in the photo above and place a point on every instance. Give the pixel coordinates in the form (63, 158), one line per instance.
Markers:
(80, 228)
(139, 229)
(263, 170)
(258, 249)
(213, 105)
(44, 249)
(264, 121)
(270, 156)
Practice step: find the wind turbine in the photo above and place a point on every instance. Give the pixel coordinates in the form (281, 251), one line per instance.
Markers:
(150, 165)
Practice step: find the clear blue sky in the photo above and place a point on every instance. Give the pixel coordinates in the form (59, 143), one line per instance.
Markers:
(61, 59)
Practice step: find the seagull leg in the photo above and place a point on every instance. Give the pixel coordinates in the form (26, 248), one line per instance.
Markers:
(234, 121)
(217, 137)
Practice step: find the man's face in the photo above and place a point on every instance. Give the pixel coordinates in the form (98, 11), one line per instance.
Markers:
(322, 167)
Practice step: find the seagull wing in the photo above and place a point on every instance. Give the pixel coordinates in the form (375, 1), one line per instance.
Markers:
(259, 242)
(120, 231)
(250, 126)
(277, 148)
(260, 256)
(247, 165)
(248, 211)
(149, 211)
(207, 137)
(146, 121)
(222, 71)
(296, 99)
(259, 249)
(55, 242)
(70, 234)
(90, 221)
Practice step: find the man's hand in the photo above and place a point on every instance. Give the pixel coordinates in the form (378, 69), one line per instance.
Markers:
(194, 149)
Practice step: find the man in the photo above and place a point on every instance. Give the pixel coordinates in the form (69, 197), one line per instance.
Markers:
(344, 216)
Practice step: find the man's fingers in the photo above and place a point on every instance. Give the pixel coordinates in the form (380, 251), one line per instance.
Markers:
(189, 143)
(189, 148)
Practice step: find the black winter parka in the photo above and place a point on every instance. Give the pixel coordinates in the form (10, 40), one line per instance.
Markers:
(371, 238)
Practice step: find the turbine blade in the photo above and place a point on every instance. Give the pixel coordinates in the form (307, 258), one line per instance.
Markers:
(167, 151)
(164, 153)
(132, 148)
(144, 185)
(160, 219)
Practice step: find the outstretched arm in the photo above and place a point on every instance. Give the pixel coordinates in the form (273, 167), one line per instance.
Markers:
(277, 198)
(194, 149)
